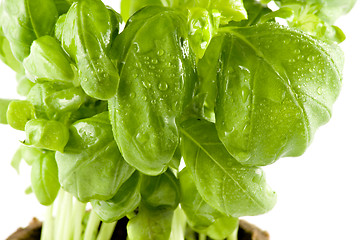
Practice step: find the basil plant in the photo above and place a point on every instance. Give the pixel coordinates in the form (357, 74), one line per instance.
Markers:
(163, 114)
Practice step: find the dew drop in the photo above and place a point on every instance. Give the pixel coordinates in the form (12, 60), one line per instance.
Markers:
(320, 90)
(297, 51)
(160, 52)
(142, 137)
(245, 128)
(245, 94)
(135, 75)
(291, 60)
(132, 95)
(310, 58)
(136, 47)
(154, 61)
(146, 84)
(163, 86)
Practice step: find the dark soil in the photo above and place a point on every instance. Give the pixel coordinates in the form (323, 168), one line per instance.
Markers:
(247, 231)
(31, 232)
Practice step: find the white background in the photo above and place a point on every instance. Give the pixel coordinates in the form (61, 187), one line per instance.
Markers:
(318, 193)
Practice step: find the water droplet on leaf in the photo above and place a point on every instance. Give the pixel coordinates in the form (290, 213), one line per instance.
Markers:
(160, 52)
(163, 86)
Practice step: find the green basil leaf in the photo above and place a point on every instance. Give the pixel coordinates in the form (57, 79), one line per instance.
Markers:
(126, 200)
(161, 191)
(44, 178)
(23, 21)
(91, 166)
(69, 99)
(47, 60)
(63, 5)
(207, 70)
(4, 104)
(63, 102)
(19, 112)
(203, 25)
(39, 96)
(46, 134)
(5, 51)
(276, 86)
(229, 10)
(328, 10)
(16, 160)
(24, 84)
(150, 224)
(222, 181)
(222, 227)
(129, 7)
(255, 11)
(176, 159)
(157, 78)
(87, 34)
(27, 153)
(199, 214)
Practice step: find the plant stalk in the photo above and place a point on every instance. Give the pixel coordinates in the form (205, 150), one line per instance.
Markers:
(92, 226)
(106, 231)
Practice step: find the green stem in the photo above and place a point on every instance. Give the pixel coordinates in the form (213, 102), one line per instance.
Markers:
(106, 231)
(64, 224)
(59, 216)
(234, 234)
(78, 215)
(68, 220)
(92, 226)
(202, 236)
(47, 228)
(178, 226)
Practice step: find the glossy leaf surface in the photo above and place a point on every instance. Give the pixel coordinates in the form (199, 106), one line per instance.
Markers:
(46, 134)
(126, 200)
(161, 191)
(221, 180)
(86, 34)
(24, 84)
(276, 86)
(23, 21)
(150, 224)
(222, 227)
(157, 77)
(199, 214)
(6, 54)
(4, 104)
(91, 166)
(229, 10)
(44, 178)
(129, 7)
(329, 10)
(48, 61)
(63, 5)
(19, 112)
